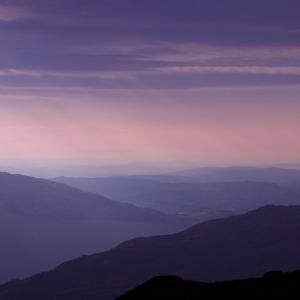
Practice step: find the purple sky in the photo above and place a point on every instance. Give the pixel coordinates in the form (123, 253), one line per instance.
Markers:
(85, 82)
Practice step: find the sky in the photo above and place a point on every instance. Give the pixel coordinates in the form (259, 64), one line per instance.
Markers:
(159, 84)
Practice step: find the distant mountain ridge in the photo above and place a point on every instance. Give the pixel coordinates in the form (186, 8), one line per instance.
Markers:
(214, 174)
(287, 166)
(207, 200)
(238, 247)
(43, 223)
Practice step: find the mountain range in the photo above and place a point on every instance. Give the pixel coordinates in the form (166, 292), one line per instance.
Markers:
(232, 248)
(43, 223)
(213, 174)
(180, 194)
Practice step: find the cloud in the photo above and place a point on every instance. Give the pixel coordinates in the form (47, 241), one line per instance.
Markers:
(192, 52)
(138, 44)
(65, 25)
(9, 14)
(15, 72)
(267, 12)
(232, 70)
(160, 71)
(83, 74)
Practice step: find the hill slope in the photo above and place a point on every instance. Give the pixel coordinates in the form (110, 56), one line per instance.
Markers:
(43, 223)
(233, 248)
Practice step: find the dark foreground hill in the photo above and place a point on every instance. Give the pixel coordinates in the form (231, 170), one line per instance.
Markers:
(43, 223)
(274, 285)
(238, 247)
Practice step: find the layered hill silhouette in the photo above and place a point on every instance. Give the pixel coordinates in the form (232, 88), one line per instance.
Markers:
(237, 247)
(273, 285)
(43, 223)
(207, 200)
(146, 183)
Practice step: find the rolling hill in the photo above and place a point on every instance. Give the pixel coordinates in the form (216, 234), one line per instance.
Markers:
(43, 223)
(237, 247)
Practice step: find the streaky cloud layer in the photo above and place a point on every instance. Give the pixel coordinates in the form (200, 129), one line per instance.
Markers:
(129, 81)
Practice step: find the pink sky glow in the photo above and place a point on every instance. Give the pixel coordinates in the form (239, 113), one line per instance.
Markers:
(243, 126)
(199, 83)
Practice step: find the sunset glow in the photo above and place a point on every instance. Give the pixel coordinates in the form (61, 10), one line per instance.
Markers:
(156, 84)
